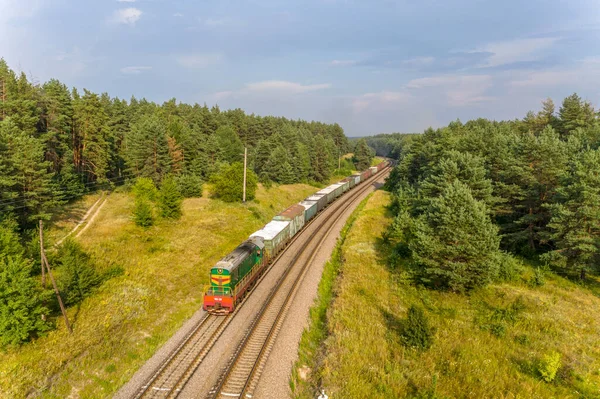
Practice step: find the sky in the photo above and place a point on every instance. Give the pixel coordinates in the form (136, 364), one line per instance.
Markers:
(375, 66)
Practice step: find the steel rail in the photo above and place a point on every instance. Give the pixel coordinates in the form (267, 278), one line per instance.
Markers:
(268, 341)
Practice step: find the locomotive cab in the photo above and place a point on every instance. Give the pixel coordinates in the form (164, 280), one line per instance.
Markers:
(219, 298)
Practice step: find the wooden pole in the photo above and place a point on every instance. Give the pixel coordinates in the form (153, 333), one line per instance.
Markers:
(42, 255)
(245, 157)
(60, 302)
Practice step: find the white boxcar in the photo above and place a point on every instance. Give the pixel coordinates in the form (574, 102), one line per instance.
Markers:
(275, 235)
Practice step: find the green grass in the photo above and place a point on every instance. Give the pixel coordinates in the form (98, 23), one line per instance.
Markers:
(492, 343)
(376, 161)
(130, 316)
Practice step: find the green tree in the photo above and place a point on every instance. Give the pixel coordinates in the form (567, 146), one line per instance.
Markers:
(143, 215)
(575, 223)
(455, 243)
(363, 154)
(575, 113)
(189, 186)
(78, 276)
(230, 145)
(228, 183)
(279, 168)
(170, 199)
(148, 149)
(21, 300)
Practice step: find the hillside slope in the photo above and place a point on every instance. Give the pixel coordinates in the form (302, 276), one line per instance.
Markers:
(130, 316)
(491, 343)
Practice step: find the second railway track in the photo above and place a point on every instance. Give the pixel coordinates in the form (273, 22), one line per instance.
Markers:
(169, 379)
(240, 377)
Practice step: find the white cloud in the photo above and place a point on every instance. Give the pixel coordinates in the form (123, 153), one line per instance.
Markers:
(582, 74)
(518, 50)
(199, 60)
(342, 63)
(380, 100)
(178, 14)
(128, 16)
(284, 86)
(135, 70)
(460, 90)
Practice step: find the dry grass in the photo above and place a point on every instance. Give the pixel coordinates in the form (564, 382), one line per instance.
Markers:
(130, 316)
(488, 345)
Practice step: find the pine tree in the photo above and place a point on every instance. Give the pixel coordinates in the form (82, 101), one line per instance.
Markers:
(170, 199)
(575, 223)
(455, 243)
(78, 276)
(363, 154)
(142, 213)
(230, 145)
(148, 149)
(464, 167)
(21, 299)
(575, 113)
(189, 186)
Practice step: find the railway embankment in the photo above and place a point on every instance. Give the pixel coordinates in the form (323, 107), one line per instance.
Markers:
(504, 340)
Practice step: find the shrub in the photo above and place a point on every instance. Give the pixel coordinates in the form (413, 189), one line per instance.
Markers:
(549, 366)
(416, 331)
(190, 186)
(538, 278)
(78, 276)
(142, 213)
(229, 183)
(144, 188)
(170, 199)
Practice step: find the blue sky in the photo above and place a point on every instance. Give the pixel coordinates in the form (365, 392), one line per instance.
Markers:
(372, 66)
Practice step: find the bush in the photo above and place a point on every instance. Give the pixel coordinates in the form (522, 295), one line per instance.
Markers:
(190, 186)
(549, 366)
(229, 183)
(78, 276)
(142, 213)
(416, 331)
(170, 199)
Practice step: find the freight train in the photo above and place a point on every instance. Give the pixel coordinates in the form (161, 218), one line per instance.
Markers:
(233, 276)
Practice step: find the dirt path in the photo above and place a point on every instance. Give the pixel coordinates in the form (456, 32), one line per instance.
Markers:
(93, 211)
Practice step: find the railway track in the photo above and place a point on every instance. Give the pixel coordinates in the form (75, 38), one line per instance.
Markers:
(172, 375)
(240, 377)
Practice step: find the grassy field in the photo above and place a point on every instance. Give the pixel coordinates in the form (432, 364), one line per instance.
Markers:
(130, 316)
(490, 344)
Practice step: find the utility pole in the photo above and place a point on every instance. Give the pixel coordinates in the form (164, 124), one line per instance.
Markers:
(45, 262)
(245, 161)
(42, 256)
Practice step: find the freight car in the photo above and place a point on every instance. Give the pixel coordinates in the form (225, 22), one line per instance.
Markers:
(233, 275)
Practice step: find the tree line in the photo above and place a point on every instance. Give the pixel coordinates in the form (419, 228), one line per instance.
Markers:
(469, 197)
(57, 144)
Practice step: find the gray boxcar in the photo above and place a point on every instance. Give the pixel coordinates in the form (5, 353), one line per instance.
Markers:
(345, 185)
(310, 209)
(275, 235)
(320, 199)
(295, 215)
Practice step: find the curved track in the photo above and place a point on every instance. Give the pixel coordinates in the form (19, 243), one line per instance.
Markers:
(241, 375)
(171, 376)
